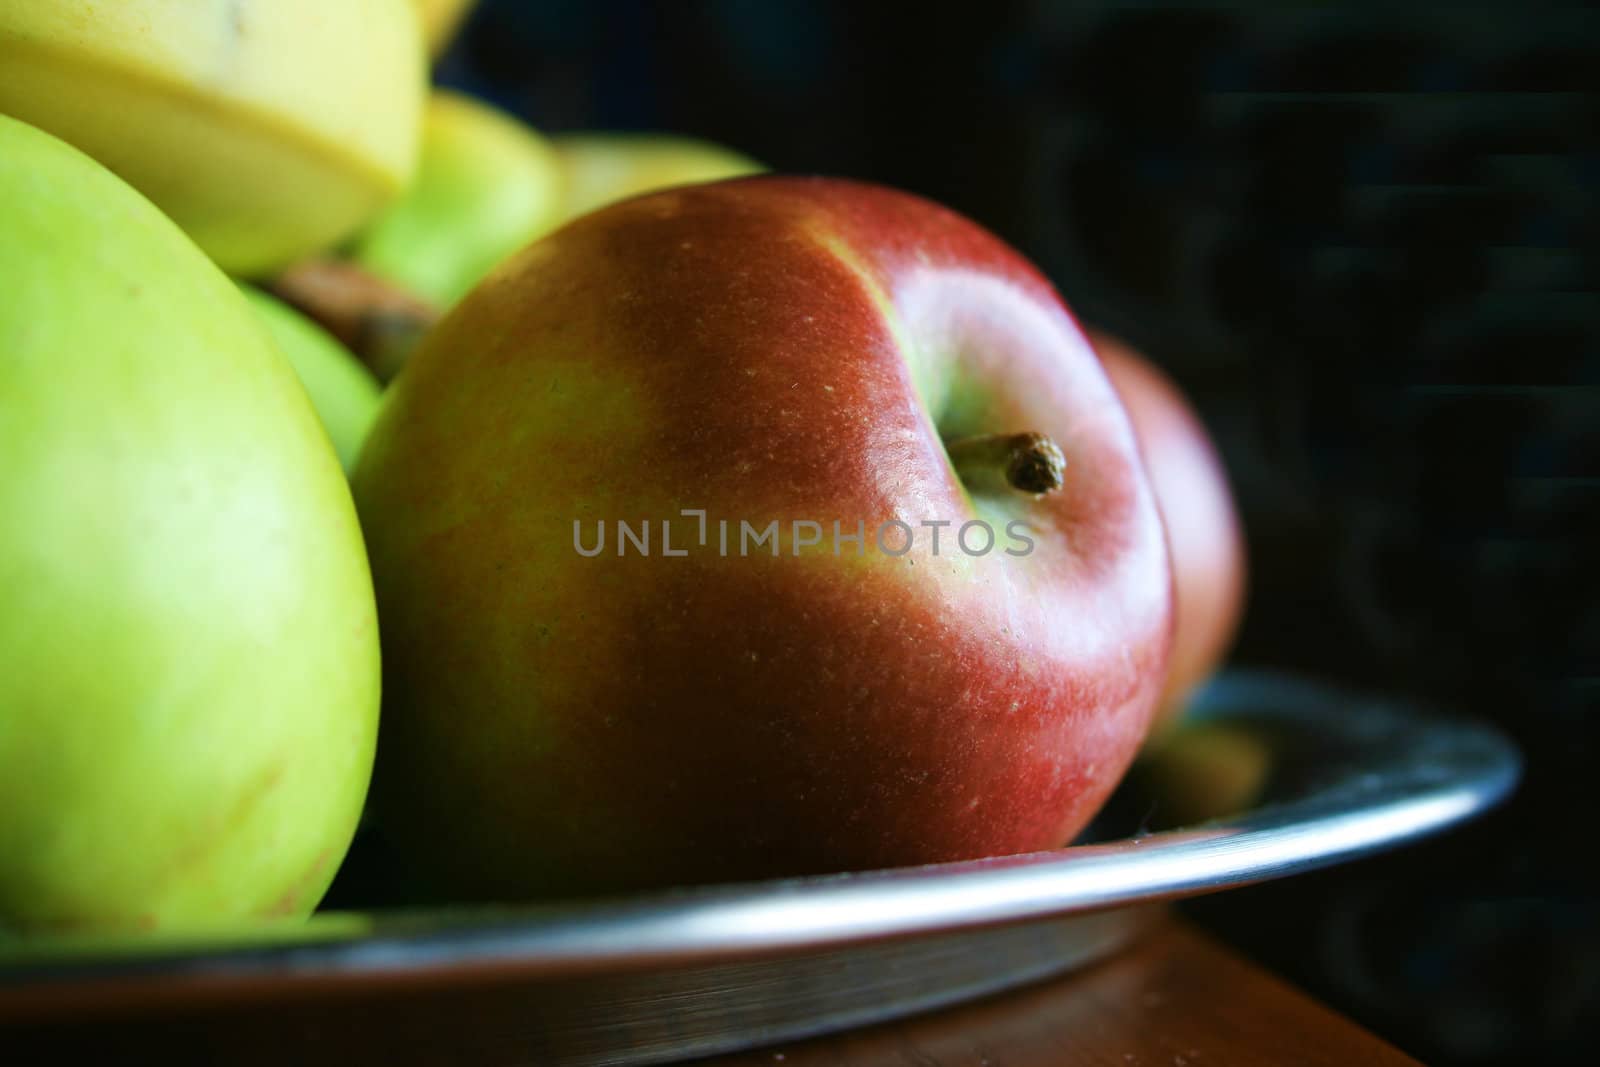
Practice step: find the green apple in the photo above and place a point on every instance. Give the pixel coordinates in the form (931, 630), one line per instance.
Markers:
(602, 168)
(344, 392)
(486, 186)
(188, 641)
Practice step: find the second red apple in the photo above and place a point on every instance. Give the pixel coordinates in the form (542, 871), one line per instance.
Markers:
(1203, 529)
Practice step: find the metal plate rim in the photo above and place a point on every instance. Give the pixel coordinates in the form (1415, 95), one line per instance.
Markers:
(1345, 819)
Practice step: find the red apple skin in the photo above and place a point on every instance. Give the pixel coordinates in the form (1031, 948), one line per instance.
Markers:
(1204, 533)
(557, 724)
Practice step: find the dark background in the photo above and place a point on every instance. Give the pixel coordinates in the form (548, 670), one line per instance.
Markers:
(1361, 239)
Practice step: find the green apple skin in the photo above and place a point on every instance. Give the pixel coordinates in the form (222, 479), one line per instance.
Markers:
(343, 392)
(763, 348)
(188, 643)
(486, 185)
(602, 168)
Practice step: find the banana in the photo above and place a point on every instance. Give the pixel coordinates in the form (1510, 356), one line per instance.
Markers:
(267, 129)
(600, 168)
(486, 186)
(441, 19)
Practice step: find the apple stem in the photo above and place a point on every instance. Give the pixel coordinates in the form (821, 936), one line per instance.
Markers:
(1029, 462)
(377, 320)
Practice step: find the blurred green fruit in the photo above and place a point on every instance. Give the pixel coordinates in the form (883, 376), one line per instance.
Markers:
(344, 392)
(188, 642)
(487, 185)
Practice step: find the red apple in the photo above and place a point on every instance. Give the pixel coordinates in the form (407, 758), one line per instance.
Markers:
(1203, 529)
(763, 350)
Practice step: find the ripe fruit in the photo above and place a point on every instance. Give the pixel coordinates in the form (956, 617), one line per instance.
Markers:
(268, 131)
(1205, 770)
(602, 168)
(487, 185)
(1203, 529)
(344, 393)
(188, 648)
(770, 351)
(440, 20)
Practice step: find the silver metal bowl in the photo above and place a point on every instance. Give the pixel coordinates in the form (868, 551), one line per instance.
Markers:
(671, 975)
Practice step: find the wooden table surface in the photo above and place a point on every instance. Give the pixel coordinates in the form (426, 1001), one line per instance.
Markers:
(1175, 998)
(1178, 998)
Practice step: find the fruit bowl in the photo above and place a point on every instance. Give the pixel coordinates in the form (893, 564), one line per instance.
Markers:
(666, 976)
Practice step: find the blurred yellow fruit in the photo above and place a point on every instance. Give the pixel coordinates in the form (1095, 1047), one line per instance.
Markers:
(267, 131)
(1205, 770)
(441, 19)
(601, 168)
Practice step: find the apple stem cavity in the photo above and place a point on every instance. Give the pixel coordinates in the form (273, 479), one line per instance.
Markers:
(376, 319)
(1026, 462)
